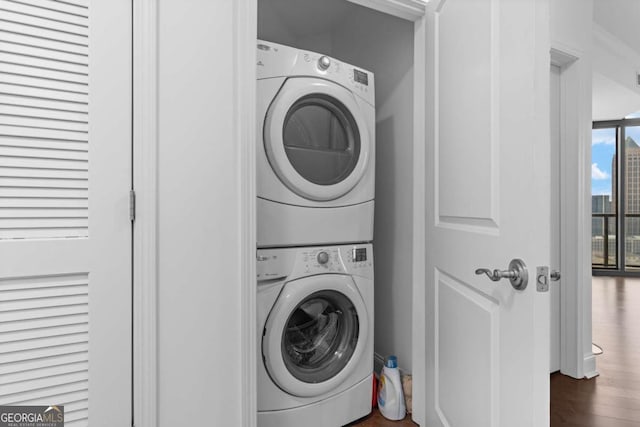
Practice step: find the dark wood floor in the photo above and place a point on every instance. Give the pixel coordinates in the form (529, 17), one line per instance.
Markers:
(375, 419)
(613, 398)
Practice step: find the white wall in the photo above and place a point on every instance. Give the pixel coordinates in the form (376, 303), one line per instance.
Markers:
(384, 45)
(199, 287)
(616, 93)
(388, 52)
(571, 23)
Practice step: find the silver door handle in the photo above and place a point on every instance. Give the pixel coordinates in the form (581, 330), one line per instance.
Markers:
(555, 275)
(517, 274)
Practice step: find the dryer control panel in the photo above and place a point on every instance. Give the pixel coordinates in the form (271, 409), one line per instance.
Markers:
(276, 60)
(292, 263)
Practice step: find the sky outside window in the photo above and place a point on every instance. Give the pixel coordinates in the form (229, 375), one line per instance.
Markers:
(603, 150)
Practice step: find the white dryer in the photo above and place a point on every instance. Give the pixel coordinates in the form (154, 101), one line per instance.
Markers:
(315, 335)
(316, 149)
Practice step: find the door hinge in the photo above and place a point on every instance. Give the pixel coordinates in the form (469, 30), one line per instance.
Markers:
(132, 205)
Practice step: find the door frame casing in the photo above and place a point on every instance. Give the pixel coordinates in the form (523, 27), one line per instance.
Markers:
(576, 359)
(576, 298)
(145, 183)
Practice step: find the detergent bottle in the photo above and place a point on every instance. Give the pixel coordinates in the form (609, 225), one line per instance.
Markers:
(390, 397)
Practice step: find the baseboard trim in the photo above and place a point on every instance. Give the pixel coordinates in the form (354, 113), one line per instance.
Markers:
(589, 365)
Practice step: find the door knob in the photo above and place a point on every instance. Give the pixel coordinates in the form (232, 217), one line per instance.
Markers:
(555, 275)
(517, 274)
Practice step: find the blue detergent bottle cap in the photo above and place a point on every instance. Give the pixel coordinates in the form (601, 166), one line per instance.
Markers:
(392, 362)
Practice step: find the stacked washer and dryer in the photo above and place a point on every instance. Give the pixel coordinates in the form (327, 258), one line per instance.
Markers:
(315, 186)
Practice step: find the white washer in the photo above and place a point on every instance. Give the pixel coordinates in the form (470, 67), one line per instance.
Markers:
(315, 335)
(316, 149)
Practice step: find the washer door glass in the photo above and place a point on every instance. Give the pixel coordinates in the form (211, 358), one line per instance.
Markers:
(321, 139)
(320, 336)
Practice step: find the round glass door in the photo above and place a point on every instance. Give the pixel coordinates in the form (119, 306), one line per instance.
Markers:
(321, 139)
(320, 336)
(315, 335)
(316, 138)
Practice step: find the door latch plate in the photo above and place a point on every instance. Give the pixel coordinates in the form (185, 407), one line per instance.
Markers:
(542, 279)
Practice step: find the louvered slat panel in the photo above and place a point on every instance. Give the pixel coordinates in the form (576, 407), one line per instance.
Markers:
(43, 33)
(36, 82)
(49, 232)
(54, 144)
(44, 213)
(37, 92)
(44, 336)
(48, 24)
(47, 64)
(44, 394)
(39, 203)
(53, 361)
(43, 192)
(41, 153)
(63, 7)
(65, 398)
(29, 40)
(30, 132)
(76, 418)
(39, 52)
(76, 405)
(44, 181)
(53, 164)
(34, 324)
(45, 184)
(39, 282)
(22, 305)
(39, 373)
(43, 73)
(44, 104)
(44, 313)
(37, 123)
(48, 14)
(7, 173)
(41, 113)
(80, 3)
(42, 293)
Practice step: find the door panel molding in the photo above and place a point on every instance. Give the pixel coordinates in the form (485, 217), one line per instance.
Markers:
(459, 196)
(473, 345)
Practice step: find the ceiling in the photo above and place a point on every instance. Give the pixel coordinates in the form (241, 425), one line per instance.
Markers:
(611, 100)
(620, 18)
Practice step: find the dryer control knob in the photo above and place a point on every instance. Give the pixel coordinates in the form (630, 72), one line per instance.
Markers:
(323, 257)
(324, 62)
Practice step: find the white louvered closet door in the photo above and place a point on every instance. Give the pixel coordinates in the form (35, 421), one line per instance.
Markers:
(65, 233)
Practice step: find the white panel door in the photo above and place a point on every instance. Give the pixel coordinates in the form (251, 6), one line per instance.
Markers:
(487, 343)
(65, 232)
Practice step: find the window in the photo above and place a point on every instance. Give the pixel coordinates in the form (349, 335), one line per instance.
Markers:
(615, 196)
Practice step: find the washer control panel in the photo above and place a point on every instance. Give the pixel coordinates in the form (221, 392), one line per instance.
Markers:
(291, 263)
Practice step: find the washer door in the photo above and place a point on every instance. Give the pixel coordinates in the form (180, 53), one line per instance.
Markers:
(315, 334)
(316, 138)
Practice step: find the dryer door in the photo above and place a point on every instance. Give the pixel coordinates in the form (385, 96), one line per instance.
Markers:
(315, 334)
(316, 138)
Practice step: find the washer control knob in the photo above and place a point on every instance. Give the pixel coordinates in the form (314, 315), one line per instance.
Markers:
(324, 62)
(323, 257)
